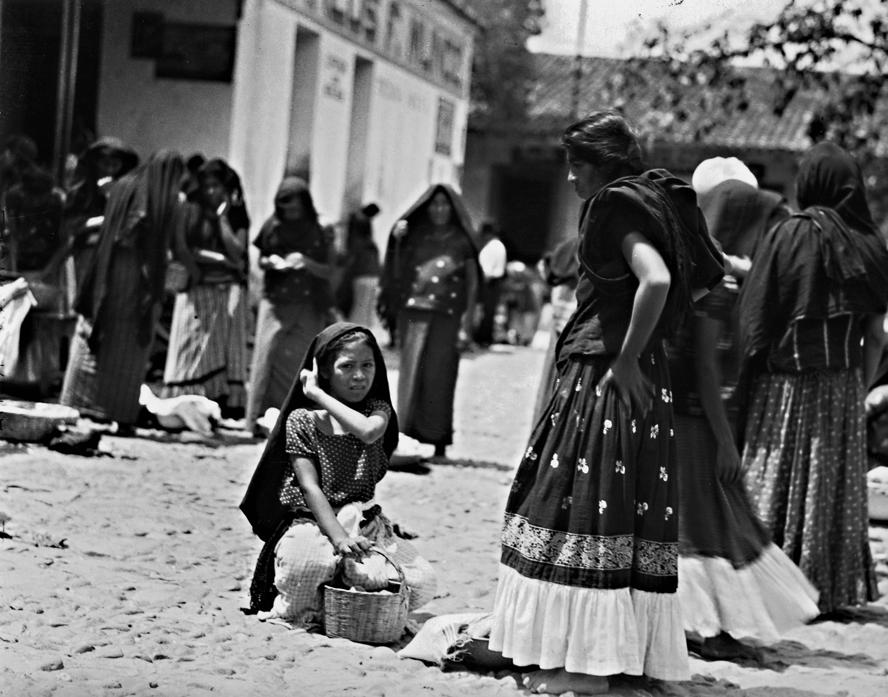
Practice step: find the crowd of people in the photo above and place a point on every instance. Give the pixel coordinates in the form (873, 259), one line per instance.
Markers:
(696, 469)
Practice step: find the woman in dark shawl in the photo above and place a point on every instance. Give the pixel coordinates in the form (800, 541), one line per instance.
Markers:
(733, 581)
(428, 283)
(348, 468)
(296, 295)
(119, 297)
(812, 309)
(588, 569)
(104, 162)
(207, 353)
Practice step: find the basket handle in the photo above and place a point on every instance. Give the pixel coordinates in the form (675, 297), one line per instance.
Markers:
(402, 591)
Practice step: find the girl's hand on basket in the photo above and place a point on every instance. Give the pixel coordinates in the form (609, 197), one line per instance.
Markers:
(633, 388)
(354, 545)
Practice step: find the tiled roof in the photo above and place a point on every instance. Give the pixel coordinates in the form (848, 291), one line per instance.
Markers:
(756, 126)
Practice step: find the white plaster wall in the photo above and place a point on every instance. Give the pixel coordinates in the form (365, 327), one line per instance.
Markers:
(401, 162)
(332, 126)
(261, 112)
(150, 113)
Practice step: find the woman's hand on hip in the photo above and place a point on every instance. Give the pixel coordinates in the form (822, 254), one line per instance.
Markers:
(633, 388)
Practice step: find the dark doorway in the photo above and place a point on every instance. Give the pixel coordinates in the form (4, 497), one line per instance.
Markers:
(522, 205)
(30, 44)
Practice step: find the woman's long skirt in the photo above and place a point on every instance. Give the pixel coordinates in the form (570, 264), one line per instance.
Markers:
(589, 562)
(805, 464)
(731, 577)
(283, 334)
(106, 383)
(429, 363)
(207, 354)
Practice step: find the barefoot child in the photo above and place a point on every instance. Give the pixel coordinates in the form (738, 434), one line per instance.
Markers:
(311, 496)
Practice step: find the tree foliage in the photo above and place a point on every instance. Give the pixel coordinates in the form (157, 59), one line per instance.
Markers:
(502, 72)
(835, 51)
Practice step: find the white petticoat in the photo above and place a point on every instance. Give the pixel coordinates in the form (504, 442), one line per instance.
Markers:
(588, 630)
(763, 600)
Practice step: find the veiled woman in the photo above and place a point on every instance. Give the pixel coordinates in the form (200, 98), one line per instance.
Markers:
(428, 283)
(104, 162)
(120, 295)
(207, 354)
(812, 309)
(733, 581)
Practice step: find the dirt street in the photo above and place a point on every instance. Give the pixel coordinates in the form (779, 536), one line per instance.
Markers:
(124, 574)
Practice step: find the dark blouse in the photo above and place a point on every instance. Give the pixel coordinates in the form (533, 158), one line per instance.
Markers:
(294, 285)
(721, 306)
(348, 468)
(437, 263)
(661, 208)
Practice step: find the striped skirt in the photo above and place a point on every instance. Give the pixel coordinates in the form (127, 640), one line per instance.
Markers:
(207, 353)
(805, 464)
(105, 383)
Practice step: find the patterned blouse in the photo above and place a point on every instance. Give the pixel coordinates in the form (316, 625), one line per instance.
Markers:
(437, 264)
(348, 469)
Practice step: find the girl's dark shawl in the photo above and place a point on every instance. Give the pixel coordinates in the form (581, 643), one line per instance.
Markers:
(261, 504)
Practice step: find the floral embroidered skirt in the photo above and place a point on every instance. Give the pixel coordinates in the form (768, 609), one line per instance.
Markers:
(589, 561)
(805, 464)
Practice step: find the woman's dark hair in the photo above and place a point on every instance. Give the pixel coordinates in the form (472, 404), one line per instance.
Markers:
(219, 169)
(328, 358)
(606, 140)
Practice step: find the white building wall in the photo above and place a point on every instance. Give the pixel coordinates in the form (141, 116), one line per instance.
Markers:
(151, 113)
(263, 77)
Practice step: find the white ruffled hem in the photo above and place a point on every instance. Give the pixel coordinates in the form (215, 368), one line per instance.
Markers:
(763, 599)
(588, 630)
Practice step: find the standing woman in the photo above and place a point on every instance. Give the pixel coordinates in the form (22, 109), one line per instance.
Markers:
(589, 562)
(119, 297)
(296, 295)
(734, 581)
(104, 162)
(429, 282)
(812, 309)
(208, 337)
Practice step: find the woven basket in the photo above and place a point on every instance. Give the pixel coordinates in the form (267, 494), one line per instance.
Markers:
(32, 421)
(369, 618)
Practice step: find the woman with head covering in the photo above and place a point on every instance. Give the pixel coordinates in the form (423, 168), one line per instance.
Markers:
(119, 298)
(812, 309)
(588, 570)
(428, 284)
(311, 498)
(207, 353)
(296, 295)
(103, 163)
(733, 581)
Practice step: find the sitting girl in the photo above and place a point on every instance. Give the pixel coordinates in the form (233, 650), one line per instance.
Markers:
(311, 496)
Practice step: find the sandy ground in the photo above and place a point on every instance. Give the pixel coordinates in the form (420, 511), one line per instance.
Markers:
(125, 573)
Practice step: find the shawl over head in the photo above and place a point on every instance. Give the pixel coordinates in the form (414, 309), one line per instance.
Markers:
(829, 177)
(295, 187)
(826, 260)
(393, 279)
(261, 504)
(142, 209)
(737, 214)
(128, 157)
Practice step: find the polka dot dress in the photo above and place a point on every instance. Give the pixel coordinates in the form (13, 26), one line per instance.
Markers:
(348, 469)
